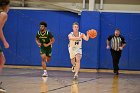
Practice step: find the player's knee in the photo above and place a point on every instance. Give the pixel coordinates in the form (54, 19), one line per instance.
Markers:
(78, 57)
(43, 59)
(43, 56)
(2, 59)
(43, 62)
(72, 59)
(48, 59)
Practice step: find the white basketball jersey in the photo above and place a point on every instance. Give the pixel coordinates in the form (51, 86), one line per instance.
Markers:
(75, 43)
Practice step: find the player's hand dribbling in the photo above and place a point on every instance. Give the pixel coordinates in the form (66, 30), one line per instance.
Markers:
(6, 45)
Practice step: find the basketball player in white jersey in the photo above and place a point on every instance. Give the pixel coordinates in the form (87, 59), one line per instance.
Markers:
(75, 47)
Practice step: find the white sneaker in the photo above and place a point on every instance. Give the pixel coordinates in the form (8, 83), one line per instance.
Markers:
(44, 75)
(2, 89)
(75, 77)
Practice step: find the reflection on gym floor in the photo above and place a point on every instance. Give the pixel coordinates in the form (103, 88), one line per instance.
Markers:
(74, 87)
(30, 81)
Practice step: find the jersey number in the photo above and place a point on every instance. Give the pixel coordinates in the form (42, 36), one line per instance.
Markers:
(43, 40)
(76, 43)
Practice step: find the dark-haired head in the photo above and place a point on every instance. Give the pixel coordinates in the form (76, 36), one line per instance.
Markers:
(43, 23)
(43, 26)
(4, 2)
(4, 5)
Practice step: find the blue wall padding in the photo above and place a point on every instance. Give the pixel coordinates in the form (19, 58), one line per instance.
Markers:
(130, 29)
(22, 26)
(90, 20)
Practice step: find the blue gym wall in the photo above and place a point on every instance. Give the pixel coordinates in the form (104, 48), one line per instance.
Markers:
(22, 26)
(129, 23)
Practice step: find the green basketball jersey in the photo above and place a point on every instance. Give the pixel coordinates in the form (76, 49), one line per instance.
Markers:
(44, 37)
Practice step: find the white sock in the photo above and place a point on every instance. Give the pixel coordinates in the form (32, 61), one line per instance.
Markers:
(76, 74)
(45, 71)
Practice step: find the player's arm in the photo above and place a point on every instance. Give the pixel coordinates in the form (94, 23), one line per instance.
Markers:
(3, 18)
(123, 43)
(108, 42)
(73, 38)
(85, 37)
(37, 41)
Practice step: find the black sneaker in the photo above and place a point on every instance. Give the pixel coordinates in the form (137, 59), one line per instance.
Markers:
(73, 70)
(114, 71)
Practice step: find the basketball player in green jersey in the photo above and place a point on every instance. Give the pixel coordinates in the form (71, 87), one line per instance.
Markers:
(44, 40)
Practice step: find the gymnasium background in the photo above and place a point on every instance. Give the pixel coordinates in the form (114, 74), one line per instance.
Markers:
(22, 26)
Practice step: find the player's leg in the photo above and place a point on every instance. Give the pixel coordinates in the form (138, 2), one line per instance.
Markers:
(2, 60)
(115, 60)
(77, 67)
(43, 56)
(48, 52)
(47, 58)
(72, 57)
(73, 62)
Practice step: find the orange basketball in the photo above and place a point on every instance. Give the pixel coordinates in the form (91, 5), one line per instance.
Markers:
(92, 33)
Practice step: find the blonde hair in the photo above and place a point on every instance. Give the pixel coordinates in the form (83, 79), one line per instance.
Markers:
(76, 23)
